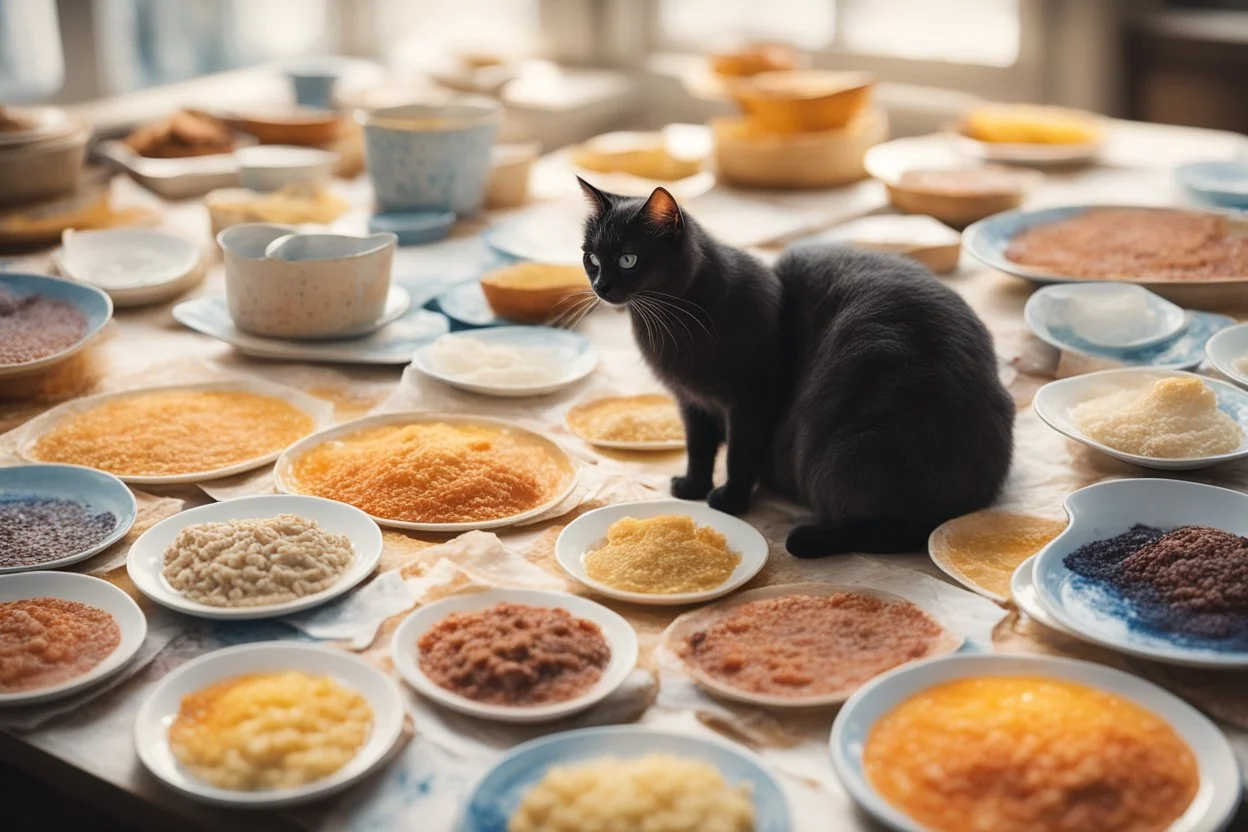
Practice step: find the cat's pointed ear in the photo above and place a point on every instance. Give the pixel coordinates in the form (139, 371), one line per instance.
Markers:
(662, 213)
(598, 200)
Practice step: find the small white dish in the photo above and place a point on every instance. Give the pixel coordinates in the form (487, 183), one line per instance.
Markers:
(270, 167)
(616, 444)
(1038, 155)
(1097, 614)
(160, 709)
(1220, 782)
(132, 265)
(146, 561)
(1149, 319)
(284, 478)
(175, 178)
(1055, 401)
(320, 410)
(571, 351)
(1228, 353)
(402, 329)
(700, 619)
(1023, 594)
(589, 532)
(70, 586)
(619, 635)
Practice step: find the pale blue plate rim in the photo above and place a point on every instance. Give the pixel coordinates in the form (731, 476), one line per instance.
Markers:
(1185, 174)
(94, 303)
(524, 765)
(450, 302)
(77, 483)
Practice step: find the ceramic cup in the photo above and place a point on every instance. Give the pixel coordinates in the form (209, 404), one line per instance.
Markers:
(313, 88)
(282, 284)
(425, 156)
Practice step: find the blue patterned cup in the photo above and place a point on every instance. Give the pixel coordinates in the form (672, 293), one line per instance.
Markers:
(423, 156)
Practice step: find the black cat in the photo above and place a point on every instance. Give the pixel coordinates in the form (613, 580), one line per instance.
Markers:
(851, 382)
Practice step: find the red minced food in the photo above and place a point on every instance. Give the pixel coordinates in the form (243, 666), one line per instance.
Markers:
(34, 327)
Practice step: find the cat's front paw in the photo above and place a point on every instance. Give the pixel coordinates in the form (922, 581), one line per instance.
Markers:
(687, 488)
(729, 500)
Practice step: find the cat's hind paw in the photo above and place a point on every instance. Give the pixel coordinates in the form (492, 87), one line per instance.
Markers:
(729, 500)
(685, 488)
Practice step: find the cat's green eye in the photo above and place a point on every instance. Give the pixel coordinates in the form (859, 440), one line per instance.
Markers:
(627, 261)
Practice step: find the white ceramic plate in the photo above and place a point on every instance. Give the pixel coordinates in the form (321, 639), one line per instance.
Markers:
(146, 560)
(158, 711)
(1039, 155)
(1053, 311)
(1023, 594)
(702, 618)
(616, 445)
(1226, 348)
(618, 633)
(589, 532)
(1097, 512)
(285, 479)
(70, 586)
(320, 410)
(550, 233)
(134, 266)
(1212, 807)
(571, 351)
(1055, 401)
(390, 345)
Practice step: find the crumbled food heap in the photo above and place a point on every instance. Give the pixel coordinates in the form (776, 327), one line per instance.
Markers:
(627, 419)
(1021, 754)
(654, 793)
(168, 432)
(515, 654)
(181, 135)
(12, 121)
(1136, 244)
(1173, 418)
(431, 472)
(985, 547)
(807, 645)
(1099, 559)
(984, 181)
(36, 530)
(269, 731)
(473, 360)
(34, 327)
(248, 563)
(662, 555)
(48, 641)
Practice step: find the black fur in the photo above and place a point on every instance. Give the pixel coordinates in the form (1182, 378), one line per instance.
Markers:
(851, 382)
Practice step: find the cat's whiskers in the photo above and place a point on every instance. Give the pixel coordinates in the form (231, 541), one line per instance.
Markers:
(671, 302)
(661, 326)
(663, 318)
(571, 317)
(635, 305)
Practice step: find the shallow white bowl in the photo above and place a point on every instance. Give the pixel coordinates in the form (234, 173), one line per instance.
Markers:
(132, 265)
(571, 351)
(589, 532)
(286, 482)
(1227, 347)
(1023, 594)
(70, 586)
(269, 167)
(1054, 309)
(1110, 508)
(1055, 401)
(147, 557)
(320, 410)
(618, 633)
(1220, 784)
(699, 619)
(158, 711)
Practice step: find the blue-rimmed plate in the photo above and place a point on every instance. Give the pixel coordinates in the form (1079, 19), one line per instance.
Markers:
(1184, 350)
(499, 793)
(1098, 613)
(1055, 401)
(1217, 795)
(1077, 311)
(467, 307)
(1224, 184)
(97, 491)
(95, 306)
(572, 352)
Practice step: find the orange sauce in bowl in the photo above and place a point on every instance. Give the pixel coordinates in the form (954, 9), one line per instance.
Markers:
(1029, 754)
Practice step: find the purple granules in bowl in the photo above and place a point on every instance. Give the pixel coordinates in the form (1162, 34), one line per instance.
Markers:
(35, 530)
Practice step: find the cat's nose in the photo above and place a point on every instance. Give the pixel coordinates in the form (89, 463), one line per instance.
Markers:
(603, 288)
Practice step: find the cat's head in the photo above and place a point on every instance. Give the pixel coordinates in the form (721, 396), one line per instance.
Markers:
(634, 245)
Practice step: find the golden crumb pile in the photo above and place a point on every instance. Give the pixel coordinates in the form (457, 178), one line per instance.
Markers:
(171, 432)
(985, 547)
(627, 419)
(662, 555)
(654, 793)
(432, 472)
(269, 731)
(1019, 754)
(1174, 418)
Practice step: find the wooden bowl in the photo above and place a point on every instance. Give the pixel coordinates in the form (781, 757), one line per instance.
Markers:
(985, 191)
(748, 156)
(295, 126)
(801, 101)
(755, 59)
(533, 292)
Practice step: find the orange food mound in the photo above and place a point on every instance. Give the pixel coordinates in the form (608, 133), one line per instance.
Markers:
(168, 432)
(433, 472)
(47, 641)
(1020, 754)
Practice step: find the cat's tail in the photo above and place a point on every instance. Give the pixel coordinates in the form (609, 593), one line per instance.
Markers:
(879, 537)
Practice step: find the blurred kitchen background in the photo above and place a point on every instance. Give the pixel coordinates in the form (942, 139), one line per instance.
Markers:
(569, 69)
